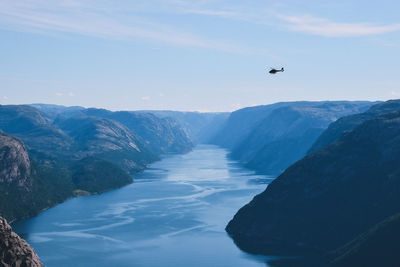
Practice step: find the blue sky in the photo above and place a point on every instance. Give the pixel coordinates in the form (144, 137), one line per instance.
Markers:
(206, 55)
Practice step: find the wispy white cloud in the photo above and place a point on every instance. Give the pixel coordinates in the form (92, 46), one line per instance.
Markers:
(210, 12)
(323, 27)
(300, 23)
(5, 97)
(145, 98)
(59, 94)
(102, 19)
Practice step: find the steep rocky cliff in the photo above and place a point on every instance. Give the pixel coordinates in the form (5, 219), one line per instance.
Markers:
(14, 251)
(15, 166)
(16, 181)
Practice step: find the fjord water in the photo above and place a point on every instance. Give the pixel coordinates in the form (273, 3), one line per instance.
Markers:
(174, 214)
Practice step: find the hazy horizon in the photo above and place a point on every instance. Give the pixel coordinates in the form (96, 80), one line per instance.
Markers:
(199, 111)
(207, 56)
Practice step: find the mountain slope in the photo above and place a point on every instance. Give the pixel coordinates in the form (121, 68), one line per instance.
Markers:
(33, 128)
(161, 135)
(52, 160)
(107, 139)
(330, 196)
(379, 246)
(268, 139)
(25, 186)
(241, 123)
(348, 123)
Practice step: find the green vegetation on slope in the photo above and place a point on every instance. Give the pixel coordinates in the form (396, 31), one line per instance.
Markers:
(96, 176)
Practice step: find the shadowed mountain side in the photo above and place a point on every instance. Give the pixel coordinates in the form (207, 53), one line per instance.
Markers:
(329, 197)
(348, 123)
(97, 176)
(278, 135)
(379, 246)
(241, 123)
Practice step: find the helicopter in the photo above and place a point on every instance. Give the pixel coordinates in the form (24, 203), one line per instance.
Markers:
(273, 71)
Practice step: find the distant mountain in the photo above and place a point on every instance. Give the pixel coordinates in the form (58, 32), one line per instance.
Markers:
(241, 123)
(52, 111)
(200, 126)
(270, 138)
(329, 197)
(161, 135)
(34, 128)
(14, 251)
(106, 139)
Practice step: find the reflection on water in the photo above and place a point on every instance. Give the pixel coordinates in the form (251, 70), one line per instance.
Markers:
(174, 214)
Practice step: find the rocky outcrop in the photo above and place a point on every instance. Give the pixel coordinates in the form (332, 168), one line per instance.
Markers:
(15, 166)
(14, 251)
(330, 196)
(26, 188)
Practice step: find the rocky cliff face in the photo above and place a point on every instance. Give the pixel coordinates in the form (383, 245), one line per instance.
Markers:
(14, 251)
(16, 182)
(15, 166)
(25, 187)
(329, 197)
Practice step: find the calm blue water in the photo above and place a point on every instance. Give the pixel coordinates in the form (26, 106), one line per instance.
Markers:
(174, 214)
